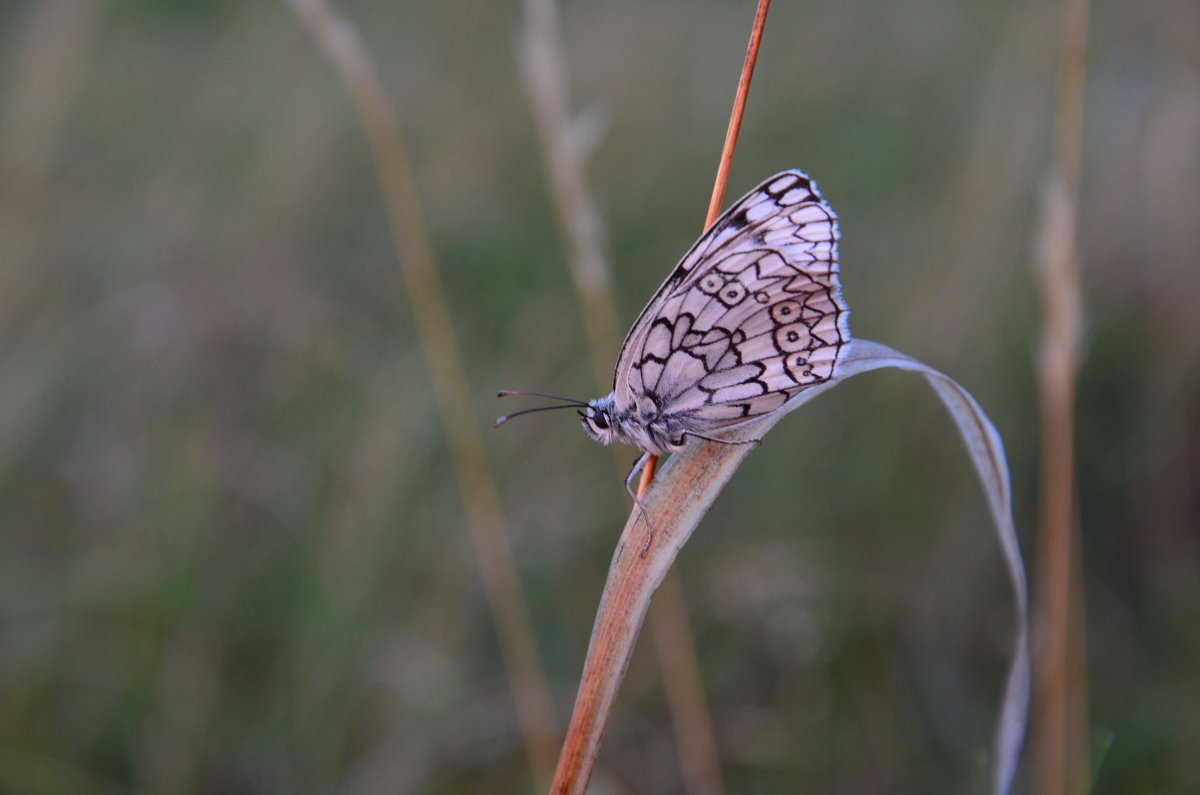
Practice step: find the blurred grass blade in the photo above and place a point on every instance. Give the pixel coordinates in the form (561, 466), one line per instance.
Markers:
(685, 489)
(565, 144)
(50, 58)
(987, 454)
(1060, 763)
(340, 42)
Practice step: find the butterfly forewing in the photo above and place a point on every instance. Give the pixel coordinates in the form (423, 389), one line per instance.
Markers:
(750, 316)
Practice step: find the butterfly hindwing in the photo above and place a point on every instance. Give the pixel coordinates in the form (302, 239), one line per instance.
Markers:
(751, 315)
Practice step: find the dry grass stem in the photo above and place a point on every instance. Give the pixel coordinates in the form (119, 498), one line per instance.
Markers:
(675, 645)
(739, 110)
(565, 144)
(50, 64)
(485, 523)
(1061, 763)
(693, 723)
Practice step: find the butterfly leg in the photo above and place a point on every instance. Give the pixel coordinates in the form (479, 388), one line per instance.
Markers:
(633, 471)
(638, 465)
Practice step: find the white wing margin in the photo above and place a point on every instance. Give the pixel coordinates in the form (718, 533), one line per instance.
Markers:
(750, 316)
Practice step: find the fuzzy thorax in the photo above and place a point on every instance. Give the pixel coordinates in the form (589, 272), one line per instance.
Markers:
(651, 431)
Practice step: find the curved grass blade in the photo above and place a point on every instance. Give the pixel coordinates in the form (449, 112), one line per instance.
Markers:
(685, 489)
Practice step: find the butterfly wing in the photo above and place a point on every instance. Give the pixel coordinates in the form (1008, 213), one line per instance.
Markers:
(752, 314)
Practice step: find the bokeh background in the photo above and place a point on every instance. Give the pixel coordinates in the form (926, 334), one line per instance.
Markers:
(232, 545)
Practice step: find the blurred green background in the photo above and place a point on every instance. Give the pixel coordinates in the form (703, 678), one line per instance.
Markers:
(232, 550)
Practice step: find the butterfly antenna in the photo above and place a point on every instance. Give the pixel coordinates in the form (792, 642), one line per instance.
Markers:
(573, 401)
(501, 420)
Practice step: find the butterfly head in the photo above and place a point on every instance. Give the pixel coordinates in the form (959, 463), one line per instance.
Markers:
(598, 420)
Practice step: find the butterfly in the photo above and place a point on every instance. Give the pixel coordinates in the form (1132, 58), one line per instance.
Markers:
(750, 316)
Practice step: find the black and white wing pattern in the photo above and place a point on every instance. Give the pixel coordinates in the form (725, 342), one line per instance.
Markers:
(750, 316)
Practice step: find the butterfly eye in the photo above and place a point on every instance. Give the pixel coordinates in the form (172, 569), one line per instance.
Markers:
(600, 420)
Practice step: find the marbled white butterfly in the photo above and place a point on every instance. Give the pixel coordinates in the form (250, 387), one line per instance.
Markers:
(751, 315)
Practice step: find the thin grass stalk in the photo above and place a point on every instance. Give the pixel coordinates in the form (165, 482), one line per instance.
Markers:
(726, 161)
(738, 112)
(691, 720)
(340, 42)
(597, 692)
(565, 145)
(1061, 758)
(50, 60)
(672, 634)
